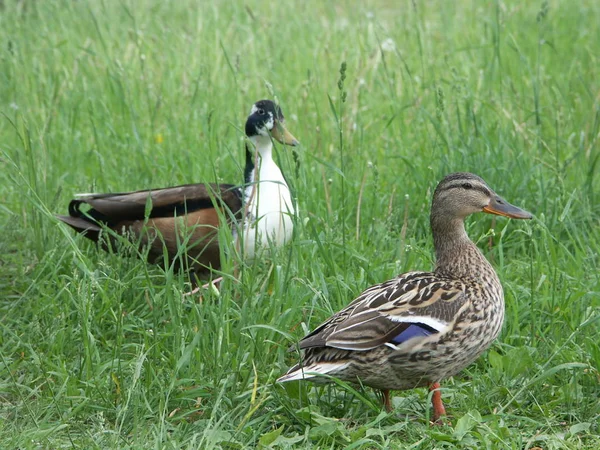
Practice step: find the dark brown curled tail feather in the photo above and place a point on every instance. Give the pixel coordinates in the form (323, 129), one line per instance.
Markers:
(74, 210)
(91, 216)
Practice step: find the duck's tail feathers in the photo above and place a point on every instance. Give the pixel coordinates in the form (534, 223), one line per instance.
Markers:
(299, 372)
(81, 222)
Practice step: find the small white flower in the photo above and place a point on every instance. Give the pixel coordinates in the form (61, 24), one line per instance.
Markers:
(370, 14)
(14, 106)
(370, 164)
(294, 117)
(388, 45)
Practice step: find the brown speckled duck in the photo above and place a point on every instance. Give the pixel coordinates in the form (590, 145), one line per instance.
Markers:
(420, 327)
(190, 214)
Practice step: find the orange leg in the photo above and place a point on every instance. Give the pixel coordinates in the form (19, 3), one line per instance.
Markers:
(387, 402)
(436, 400)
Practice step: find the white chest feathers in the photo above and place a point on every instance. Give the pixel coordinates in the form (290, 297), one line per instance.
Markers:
(270, 214)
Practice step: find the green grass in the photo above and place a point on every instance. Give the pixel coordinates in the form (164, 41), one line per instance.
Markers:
(98, 351)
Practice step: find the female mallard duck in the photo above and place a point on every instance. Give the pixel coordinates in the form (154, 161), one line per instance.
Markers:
(191, 213)
(421, 327)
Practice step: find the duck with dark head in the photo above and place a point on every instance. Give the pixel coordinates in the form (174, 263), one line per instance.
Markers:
(191, 214)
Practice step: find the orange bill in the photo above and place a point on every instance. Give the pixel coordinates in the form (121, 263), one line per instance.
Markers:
(501, 207)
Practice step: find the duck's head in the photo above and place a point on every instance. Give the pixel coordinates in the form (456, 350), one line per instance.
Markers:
(266, 120)
(461, 194)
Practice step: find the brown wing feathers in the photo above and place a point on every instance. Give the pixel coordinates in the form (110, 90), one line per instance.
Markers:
(373, 330)
(385, 311)
(127, 211)
(110, 209)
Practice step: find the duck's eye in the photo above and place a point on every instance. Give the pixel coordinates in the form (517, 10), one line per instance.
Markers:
(467, 186)
(261, 112)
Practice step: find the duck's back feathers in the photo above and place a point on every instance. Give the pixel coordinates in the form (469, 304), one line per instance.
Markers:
(166, 202)
(411, 305)
(168, 212)
(400, 314)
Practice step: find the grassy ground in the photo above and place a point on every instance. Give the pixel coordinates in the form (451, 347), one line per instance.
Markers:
(101, 352)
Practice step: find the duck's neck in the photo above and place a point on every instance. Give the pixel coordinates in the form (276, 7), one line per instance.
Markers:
(263, 171)
(456, 255)
(264, 146)
(264, 161)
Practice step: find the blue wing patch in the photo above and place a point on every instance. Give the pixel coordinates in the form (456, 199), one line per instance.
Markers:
(413, 330)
